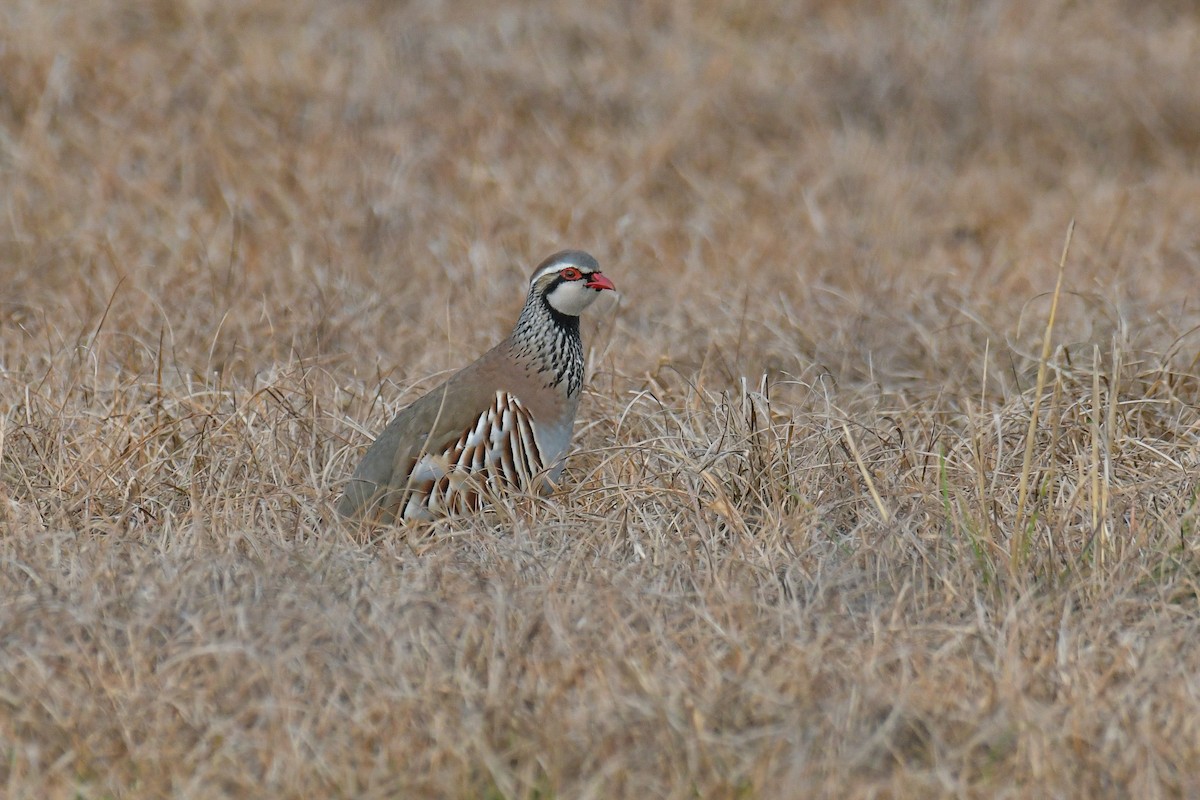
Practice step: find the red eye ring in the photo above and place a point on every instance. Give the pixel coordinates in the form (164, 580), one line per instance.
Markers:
(570, 274)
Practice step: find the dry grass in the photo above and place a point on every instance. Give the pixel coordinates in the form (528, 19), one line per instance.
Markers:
(235, 237)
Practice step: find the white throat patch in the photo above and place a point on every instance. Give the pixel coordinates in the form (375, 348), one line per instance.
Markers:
(571, 297)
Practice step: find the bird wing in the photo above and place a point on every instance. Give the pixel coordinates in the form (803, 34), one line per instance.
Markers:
(500, 450)
(429, 424)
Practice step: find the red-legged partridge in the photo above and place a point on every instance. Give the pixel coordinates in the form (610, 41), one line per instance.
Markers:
(500, 424)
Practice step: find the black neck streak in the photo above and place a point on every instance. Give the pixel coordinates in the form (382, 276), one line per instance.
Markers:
(565, 322)
(548, 341)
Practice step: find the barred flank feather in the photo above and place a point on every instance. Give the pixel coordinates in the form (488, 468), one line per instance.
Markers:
(500, 451)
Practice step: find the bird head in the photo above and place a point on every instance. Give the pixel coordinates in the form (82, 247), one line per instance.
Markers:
(569, 281)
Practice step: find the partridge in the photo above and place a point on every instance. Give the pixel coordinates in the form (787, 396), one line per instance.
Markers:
(500, 424)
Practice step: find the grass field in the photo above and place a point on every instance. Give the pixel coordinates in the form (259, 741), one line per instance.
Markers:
(832, 527)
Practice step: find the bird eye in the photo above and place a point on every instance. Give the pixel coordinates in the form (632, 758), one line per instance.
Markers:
(570, 274)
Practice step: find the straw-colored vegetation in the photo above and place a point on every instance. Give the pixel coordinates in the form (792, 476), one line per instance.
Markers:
(810, 543)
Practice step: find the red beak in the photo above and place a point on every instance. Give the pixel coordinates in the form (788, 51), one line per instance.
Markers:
(598, 281)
